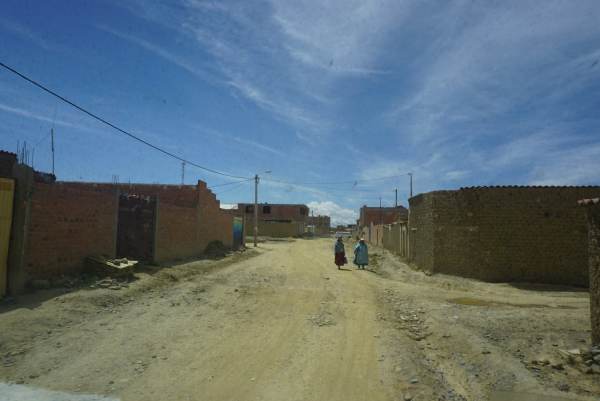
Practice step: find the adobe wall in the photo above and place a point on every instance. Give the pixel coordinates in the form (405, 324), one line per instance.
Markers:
(66, 224)
(421, 228)
(385, 215)
(593, 213)
(276, 229)
(395, 238)
(531, 234)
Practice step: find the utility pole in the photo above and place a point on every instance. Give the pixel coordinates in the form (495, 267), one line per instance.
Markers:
(52, 141)
(410, 175)
(255, 210)
(256, 179)
(380, 212)
(396, 191)
(182, 172)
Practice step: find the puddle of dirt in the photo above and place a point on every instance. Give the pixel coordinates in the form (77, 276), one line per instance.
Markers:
(482, 302)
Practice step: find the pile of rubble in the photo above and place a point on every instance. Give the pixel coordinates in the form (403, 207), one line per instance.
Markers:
(111, 283)
(104, 266)
(586, 360)
(216, 250)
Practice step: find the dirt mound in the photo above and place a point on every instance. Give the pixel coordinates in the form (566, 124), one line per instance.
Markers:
(215, 250)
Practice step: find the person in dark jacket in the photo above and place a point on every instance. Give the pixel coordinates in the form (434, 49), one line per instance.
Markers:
(340, 253)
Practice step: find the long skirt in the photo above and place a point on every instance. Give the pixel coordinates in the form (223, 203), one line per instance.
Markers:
(340, 258)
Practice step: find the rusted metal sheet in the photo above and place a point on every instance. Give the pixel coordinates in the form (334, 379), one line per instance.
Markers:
(7, 190)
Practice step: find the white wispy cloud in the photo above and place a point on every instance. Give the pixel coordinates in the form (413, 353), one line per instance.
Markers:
(503, 58)
(45, 118)
(343, 36)
(178, 60)
(25, 33)
(239, 140)
(549, 158)
(339, 215)
(272, 57)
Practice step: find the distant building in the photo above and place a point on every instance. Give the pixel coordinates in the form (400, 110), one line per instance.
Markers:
(275, 220)
(321, 224)
(381, 215)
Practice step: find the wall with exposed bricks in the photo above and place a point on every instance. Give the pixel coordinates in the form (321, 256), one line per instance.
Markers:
(68, 221)
(593, 214)
(421, 223)
(531, 234)
(185, 231)
(66, 224)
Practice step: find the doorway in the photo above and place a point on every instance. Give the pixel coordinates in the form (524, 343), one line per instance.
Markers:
(136, 227)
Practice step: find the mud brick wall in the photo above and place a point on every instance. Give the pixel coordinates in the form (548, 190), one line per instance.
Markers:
(176, 232)
(276, 229)
(531, 234)
(215, 224)
(187, 222)
(593, 213)
(385, 215)
(178, 195)
(421, 224)
(66, 224)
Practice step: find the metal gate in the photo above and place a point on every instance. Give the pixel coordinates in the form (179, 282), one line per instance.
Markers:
(135, 227)
(7, 190)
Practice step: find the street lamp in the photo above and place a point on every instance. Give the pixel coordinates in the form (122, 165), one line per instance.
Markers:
(256, 179)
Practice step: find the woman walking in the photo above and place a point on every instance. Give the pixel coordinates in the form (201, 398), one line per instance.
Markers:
(361, 254)
(340, 253)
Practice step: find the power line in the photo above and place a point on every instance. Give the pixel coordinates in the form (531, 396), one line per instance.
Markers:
(240, 184)
(121, 130)
(229, 183)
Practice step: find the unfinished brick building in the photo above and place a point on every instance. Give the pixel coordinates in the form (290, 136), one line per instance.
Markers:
(275, 219)
(57, 224)
(321, 224)
(592, 207)
(381, 215)
(531, 234)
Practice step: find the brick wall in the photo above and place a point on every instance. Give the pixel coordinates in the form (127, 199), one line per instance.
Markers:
(529, 234)
(69, 221)
(176, 232)
(593, 214)
(276, 229)
(384, 215)
(187, 223)
(420, 222)
(395, 238)
(66, 224)
(275, 211)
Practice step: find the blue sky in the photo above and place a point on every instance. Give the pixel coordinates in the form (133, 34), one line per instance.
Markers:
(460, 93)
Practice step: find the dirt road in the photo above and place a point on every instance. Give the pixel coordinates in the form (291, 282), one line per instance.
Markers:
(282, 323)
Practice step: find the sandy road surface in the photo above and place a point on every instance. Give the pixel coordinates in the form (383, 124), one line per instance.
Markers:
(282, 323)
